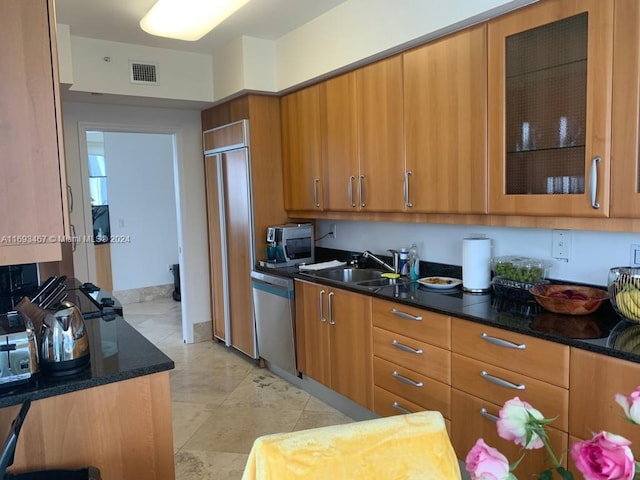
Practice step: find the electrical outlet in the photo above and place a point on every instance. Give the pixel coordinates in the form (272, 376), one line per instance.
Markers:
(634, 258)
(561, 244)
(332, 230)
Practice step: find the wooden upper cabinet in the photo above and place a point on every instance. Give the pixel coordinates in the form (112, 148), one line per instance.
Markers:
(380, 128)
(33, 184)
(302, 149)
(550, 80)
(445, 117)
(340, 144)
(625, 128)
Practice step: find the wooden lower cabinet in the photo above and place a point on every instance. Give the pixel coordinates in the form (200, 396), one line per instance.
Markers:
(536, 358)
(412, 386)
(595, 379)
(122, 428)
(470, 421)
(498, 385)
(333, 333)
(412, 360)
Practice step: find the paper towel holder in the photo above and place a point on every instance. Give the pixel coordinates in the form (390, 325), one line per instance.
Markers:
(476, 264)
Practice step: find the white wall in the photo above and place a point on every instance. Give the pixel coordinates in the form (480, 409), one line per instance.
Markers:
(192, 223)
(592, 253)
(181, 75)
(358, 29)
(142, 208)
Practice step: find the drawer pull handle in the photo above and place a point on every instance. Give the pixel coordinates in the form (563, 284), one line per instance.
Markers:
(503, 343)
(400, 408)
(406, 316)
(488, 416)
(406, 348)
(501, 382)
(406, 380)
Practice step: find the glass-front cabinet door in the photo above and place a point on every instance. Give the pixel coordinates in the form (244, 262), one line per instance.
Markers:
(625, 127)
(549, 102)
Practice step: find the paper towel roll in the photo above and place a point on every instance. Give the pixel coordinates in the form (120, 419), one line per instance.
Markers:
(476, 264)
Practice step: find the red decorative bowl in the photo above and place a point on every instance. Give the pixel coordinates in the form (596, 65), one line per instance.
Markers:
(569, 299)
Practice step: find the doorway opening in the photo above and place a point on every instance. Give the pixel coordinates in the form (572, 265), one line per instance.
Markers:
(131, 210)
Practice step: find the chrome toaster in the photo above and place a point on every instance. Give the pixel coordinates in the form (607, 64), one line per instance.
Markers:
(18, 350)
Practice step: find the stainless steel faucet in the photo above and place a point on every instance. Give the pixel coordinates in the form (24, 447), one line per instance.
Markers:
(394, 269)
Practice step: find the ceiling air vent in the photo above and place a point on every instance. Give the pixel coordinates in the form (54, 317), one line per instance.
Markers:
(143, 73)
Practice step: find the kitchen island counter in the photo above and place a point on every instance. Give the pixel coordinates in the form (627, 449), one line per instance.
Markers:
(117, 352)
(114, 415)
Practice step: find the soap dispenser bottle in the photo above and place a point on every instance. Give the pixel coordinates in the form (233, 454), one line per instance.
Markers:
(414, 262)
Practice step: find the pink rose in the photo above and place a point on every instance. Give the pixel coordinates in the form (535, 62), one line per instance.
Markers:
(486, 463)
(517, 420)
(630, 405)
(605, 457)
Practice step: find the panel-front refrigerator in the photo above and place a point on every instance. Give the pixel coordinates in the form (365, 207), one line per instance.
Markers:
(231, 245)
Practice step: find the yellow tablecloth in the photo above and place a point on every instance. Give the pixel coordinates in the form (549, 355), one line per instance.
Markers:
(413, 446)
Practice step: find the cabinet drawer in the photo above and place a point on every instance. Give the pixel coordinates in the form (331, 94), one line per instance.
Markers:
(491, 383)
(413, 322)
(418, 356)
(468, 424)
(386, 403)
(530, 356)
(421, 390)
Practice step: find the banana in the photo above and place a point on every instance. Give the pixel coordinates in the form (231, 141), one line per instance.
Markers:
(628, 301)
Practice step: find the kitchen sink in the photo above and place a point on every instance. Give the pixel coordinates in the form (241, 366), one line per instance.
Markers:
(383, 282)
(366, 278)
(350, 275)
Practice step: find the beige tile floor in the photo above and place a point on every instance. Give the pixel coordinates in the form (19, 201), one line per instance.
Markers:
(222, 401)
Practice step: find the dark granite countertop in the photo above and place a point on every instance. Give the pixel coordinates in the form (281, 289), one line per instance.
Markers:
(602, 332)
(118, 352)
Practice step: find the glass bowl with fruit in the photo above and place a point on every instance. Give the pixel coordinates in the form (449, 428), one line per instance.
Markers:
(569, 299)
(624, 292)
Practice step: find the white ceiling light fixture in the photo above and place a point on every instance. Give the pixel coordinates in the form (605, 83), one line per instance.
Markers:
(187, 19)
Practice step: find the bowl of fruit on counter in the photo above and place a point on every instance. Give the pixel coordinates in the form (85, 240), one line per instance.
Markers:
(569, 299)
(624, 292)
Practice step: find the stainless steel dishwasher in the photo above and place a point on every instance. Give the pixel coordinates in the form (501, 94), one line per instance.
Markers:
(274, 310)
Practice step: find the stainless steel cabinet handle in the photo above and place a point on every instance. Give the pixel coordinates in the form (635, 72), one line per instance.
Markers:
(503, 343)
(406, 380)
(407, 202)
(350, 190)
(330, 309)
(316, 181)
(593, 183)
(501, 382)
(360, 194)
(406, 316)
(488, 416)
(70, 196)
(406, 348)
(400, 408)
(320, 306)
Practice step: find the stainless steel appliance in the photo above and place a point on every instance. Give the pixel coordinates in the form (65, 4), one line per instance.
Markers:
(64, 343)
(290, 244)
(273, 302)
(18, 350)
